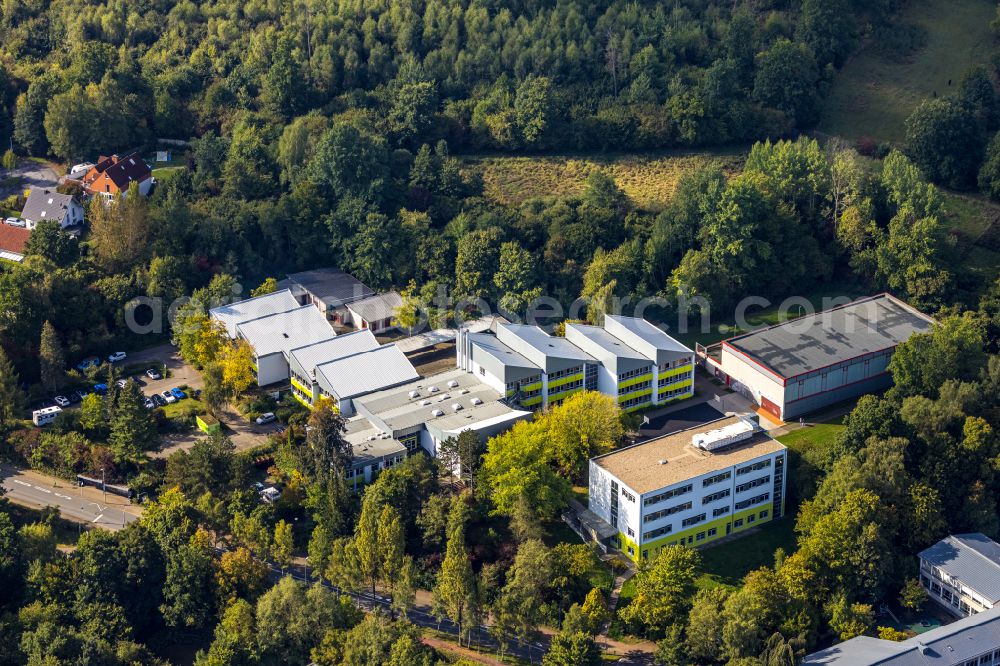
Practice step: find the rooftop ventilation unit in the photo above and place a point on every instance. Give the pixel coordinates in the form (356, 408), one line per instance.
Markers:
(453, 383)
(425, 402)
(662, 462)
(437, 412)
(463, 391)
(724, 436)
(433, 389)
(456, 406)
(414, 394)
(476, 401)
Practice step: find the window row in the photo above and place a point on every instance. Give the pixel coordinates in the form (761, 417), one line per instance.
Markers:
(656, 515)
(656, 499)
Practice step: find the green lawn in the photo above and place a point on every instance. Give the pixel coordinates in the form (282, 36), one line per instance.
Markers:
(874, 93)
(817, 434)
(974, 223)
(727, 563)
(182, 408)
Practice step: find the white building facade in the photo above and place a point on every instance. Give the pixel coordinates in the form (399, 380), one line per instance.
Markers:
(670, 491)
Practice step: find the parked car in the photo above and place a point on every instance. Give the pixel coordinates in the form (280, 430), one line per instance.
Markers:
(120, 383)
(197, 394)
(169, 397)
(75, 397)
(158, 399)
(11, 221)
(152, 373)
(100, 389)
(177, 393)
(87, 362)
(116, 357)
(258, 486)
(149, 404)
(266, 417)
(16, 222)
(61, 400)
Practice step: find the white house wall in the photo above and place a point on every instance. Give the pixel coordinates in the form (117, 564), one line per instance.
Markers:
(271, 368)
(757, 380)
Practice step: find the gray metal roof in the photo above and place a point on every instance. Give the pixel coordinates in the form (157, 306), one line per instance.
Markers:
(234, 313)
(334, 287)
(489, 344)
(839, 334)
(609, 350)
(949, 645)
(549, 352)
(646, 338)
(368, 443)
(45, 204)
(366, 372)
(377, 308)
(973, 558)
(284, 331)
(305, 359)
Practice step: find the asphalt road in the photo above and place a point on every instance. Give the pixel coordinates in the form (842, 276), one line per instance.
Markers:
(85, 505)
(32, 174)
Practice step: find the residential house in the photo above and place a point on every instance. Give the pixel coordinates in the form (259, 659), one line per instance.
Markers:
(115, 174)
(12, 242)
(47, 204)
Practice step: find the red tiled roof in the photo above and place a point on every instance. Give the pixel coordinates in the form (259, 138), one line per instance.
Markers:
(120, 170)
(13, 239)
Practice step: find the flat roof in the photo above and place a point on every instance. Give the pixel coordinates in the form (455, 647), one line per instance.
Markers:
(367, 371)
(608, 349)
(235, 313)
(309, 356)
(839, 334)
(368, 442)
(550, 352)
(639, 468)
(283, 331)
(398, 411)
(972, 558)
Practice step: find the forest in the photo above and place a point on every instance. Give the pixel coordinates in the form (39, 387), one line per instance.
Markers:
(339, 134)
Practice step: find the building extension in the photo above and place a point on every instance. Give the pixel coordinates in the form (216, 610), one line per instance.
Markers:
(817, 360)
(961, 573)
(628, 358)
(690, 487)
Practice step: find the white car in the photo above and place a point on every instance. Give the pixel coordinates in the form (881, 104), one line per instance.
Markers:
(169, 397)
(152, 373)
(266, 417)
(61, 400)
(121, 383)
(11, 221)
(116, 357)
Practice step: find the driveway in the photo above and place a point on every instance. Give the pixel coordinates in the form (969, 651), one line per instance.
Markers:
(32, 174)
(180, 373)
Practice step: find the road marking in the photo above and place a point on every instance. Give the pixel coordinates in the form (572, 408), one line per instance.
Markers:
(98, 518)
(63, 496)
(44, 490)
(21, 482)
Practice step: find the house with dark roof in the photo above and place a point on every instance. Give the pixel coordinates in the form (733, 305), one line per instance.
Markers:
(329, 289)
(115, 174)
(961, 573)
(12, 242)
(47, 204)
